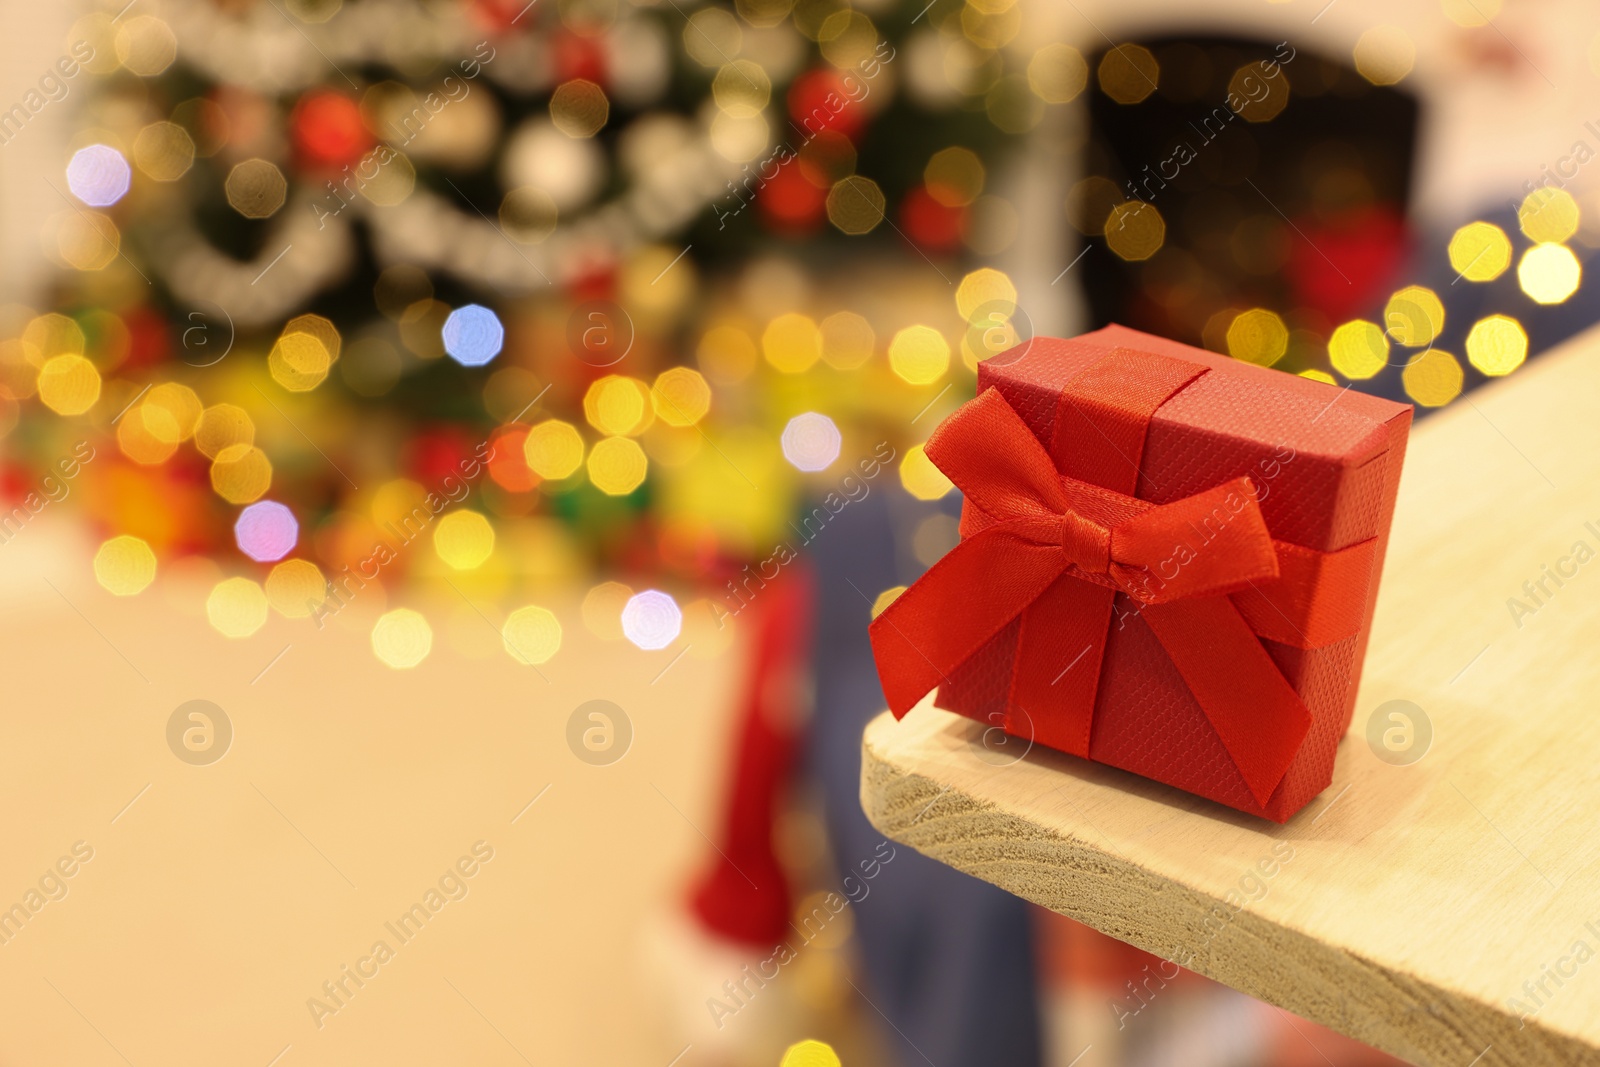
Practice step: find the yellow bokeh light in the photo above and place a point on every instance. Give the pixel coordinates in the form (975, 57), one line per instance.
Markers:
(1480, 252)
(164, 151)
(532, 635)
(241, 473)
(1547, 273)
(810, 1053)
(1497, 345)
(727, 354)
(146, 45)
(68, 384)
(885, 598)
(1548, 216)
(1128, 73)
(855, 205)
(304, 352)
(921, 478)
(792, 342)
(1432, 378)
(616, 404)
(1318, 376)
(988, 291)
(1414, 316)
(125, 566)
(401, 638)
(919, 355)
(741, 88)
(602, 609)
(54, 334)
(1385, 54)
(579, 108)
(1359, 349)
(1258, 336)
(1256, 106)
(848, 340)
(553, 449)
(180, 403)
(954, 176)
(680, 396)
(1057, 73)
(256, 189)
(1135, 230)
(617, 465)
(236, 607)
(222, 425)
(296, 588)
(463, 539)
(147, 435)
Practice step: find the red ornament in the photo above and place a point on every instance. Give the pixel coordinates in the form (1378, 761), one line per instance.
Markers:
(820, 100)
(328, 131)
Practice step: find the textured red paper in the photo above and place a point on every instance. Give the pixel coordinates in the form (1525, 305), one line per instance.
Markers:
(1337, 490)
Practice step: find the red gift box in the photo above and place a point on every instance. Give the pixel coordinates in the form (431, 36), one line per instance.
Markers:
(1168, 564)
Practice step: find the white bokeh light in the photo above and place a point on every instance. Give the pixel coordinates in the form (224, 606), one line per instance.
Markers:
(651, 619)
(811, 442)
(98, 175)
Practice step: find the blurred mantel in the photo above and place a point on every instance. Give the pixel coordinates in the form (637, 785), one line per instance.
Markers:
(1443, 909)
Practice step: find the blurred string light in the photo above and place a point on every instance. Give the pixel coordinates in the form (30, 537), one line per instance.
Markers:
(1548, 216)
(1135, 230)
(856, 205)
(1480, 252)
(473, 335)
(1359, 349)
(553, 449)
(618, 405)
(792, 343)
(1258, 336)
(1128, 73)
(256, 189)
(810, 1053)
(401, 638)
(919, 355)
(295, 588)
(125, 566)
(1414, 316)
(98, 175)
(1549, 273)
(266, 531)
(847, 340)
(617, 465)
(237, 607)
(651, 620)
(680, 396)
(220, 426)
(164, 151)
(602, 609)
(531, 635)
(68, 384)
(1497, 345)
(241, 474)
(921, 478)
(1384, 55)
(811, 442)
(1432, 378)
(1057, 73)
(464, 539)
(304, 353)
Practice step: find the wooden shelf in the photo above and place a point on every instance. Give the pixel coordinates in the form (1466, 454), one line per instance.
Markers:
(1423, 908)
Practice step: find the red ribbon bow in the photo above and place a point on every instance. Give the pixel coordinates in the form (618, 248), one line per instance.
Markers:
(1055, 548)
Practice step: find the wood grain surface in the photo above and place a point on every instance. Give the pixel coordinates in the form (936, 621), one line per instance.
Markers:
(1441, 900)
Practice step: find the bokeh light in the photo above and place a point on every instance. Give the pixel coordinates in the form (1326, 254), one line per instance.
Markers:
(1548, 273)
(602, 609)
(651, 620)
(125, 566)
(810, 1053)
(304, 353)
(1057, 73)
(473, 335)
(618, 405)
(181, 403)
(1128, 73)
(885, 598)
(241, 473)
(531, 635)
(147, 435)
(792, 342)
(98, 175)
(1548, 215)
(579, 108)
(266, 531)
(256, 189)
(553, 449)
(464, 539)
(401, 638)
(617, 465)
(296, 588)
(1359, 349)
(848, 340)
(954, 176)
(1135, 230)
(1480, 252)
(1258, 336)
(68, 384)
(921, 478)
(1414, 316)
(1432, 378)
(237, 607)
(1384, 54)
(855, 205)
(222, 425)
(811, 442)
(1497, 345)
(164, 151)
(919, 354)
(680, 396)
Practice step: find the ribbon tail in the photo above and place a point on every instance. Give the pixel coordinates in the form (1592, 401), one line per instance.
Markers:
(1260, 718)
(951, 611)
(1056, 672)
